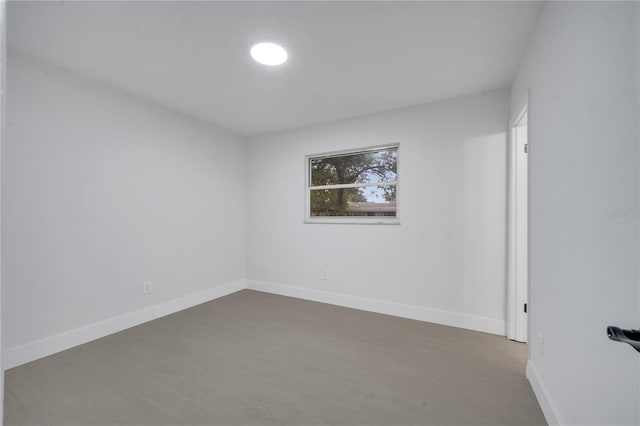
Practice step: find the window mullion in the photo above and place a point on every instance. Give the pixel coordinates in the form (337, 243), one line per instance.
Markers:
(353, 185)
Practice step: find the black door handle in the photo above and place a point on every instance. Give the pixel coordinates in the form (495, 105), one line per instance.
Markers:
(631, 337)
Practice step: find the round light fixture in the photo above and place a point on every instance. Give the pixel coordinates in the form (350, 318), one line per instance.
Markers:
(268, 53)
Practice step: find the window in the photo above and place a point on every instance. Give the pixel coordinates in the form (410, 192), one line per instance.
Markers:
(357, 186)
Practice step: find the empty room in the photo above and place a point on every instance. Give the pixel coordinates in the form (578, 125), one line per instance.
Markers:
(320, 213)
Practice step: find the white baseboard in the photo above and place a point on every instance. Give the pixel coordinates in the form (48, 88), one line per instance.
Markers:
(548, 409)
(23, 354)
(454, 319)
(28, 352)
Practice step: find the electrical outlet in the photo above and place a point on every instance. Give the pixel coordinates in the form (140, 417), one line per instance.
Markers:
(325, 275)
(146, 287)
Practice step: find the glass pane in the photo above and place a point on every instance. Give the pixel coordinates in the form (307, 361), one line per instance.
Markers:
(363, 167)
(366, 201)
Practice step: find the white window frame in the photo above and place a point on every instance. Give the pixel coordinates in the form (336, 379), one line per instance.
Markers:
(351, 220)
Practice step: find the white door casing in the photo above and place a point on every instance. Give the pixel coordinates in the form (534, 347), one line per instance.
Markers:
(517, 274)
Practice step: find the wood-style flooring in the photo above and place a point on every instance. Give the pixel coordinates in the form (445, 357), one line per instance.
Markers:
(253, 358)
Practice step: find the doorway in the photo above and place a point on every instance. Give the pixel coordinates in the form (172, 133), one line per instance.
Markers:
(518, 259)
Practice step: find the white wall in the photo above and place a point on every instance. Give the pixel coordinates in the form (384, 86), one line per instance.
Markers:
(580, 66)
(102, 191)
(444, 263)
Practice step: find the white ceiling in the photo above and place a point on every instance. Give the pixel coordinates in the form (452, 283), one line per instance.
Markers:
(345, 58)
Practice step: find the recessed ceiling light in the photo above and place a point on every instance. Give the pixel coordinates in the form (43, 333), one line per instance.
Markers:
(268, 53)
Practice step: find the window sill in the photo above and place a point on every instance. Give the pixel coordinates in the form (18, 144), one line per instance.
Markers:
(350, 221)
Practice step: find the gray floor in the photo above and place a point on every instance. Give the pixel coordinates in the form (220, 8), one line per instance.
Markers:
(258, 359)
